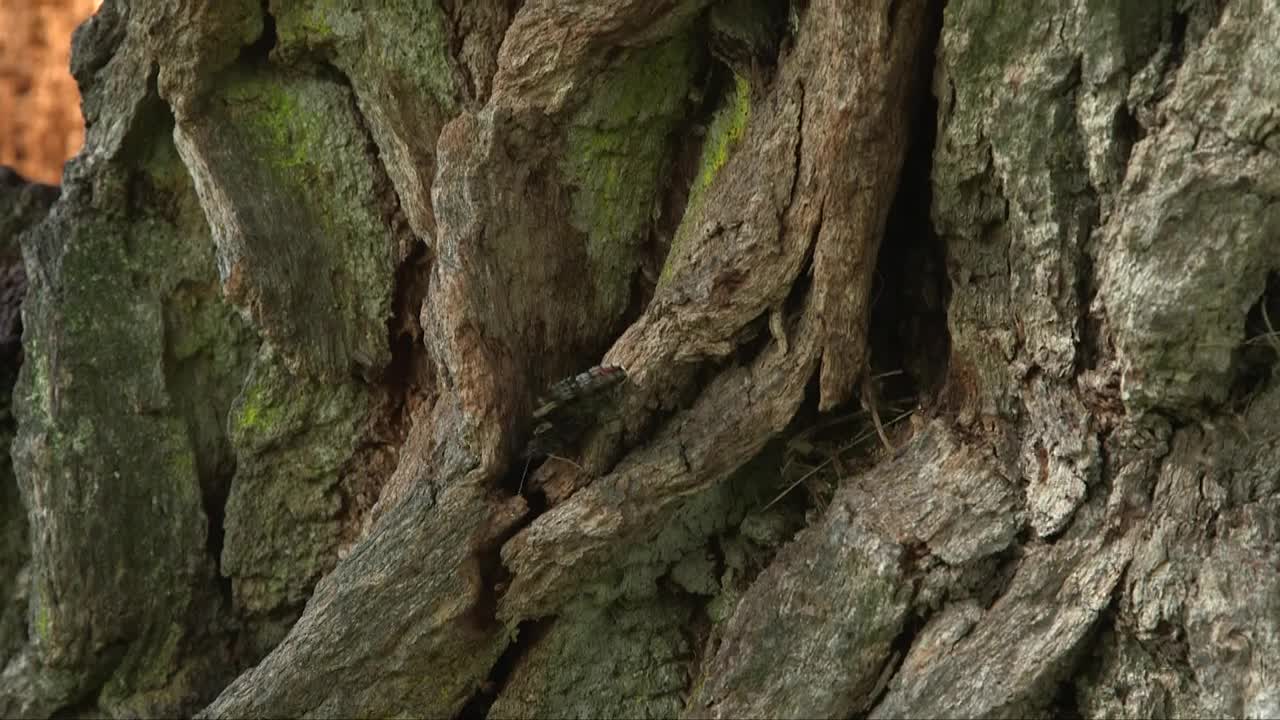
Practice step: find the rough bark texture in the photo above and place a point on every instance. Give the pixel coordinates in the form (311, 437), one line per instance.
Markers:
(22, 205)
(289, 317)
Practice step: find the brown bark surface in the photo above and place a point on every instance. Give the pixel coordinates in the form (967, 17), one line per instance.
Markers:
(946, 332)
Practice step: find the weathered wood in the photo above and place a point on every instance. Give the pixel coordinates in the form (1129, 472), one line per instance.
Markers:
(22, 206)
(290, 316)
(813, 634)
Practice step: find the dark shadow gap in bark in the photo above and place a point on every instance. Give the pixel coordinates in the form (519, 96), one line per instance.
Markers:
(908, 332)
(527, 634)
(215, 462)
(494, 576)
(215, 470)
(1255, 359)
(516, 481)
(153, 119)
(411, 253)
(810, 445)
(1128, 132)
(408, 374)
(746, 38)
(686, 140)
(1178, 38)
(1065, 704)
(399, 375)
(259, 51)
(1004, 567)
(216, 513)
(84, 704)
(1089, 348)
(13, 289)
(85, 708)
(407, 381)
(1064, 698)
(912, 625)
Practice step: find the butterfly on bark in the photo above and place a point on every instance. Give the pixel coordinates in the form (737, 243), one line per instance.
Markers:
(572, 407)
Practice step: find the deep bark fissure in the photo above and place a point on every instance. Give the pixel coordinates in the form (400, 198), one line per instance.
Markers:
(401, 380)
(912, 627)
(526, 635)
(408, 372)
(911, 293)
(456, 39)
(258, 53)
(1036, 278)
(216, 466)
(1258, 355)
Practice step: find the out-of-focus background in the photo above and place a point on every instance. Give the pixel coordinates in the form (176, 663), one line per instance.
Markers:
(40, 122)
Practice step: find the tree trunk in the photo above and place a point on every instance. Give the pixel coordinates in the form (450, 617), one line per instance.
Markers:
(944, 338)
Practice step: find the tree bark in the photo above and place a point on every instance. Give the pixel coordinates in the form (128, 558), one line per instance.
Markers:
(946, 335)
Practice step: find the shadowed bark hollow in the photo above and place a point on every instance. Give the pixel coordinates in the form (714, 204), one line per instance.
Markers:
(946, 332)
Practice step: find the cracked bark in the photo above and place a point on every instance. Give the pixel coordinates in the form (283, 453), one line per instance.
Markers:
(324, 259)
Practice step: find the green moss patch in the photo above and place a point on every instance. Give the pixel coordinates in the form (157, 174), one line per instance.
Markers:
(292, 439)
(728, 125)
(618, 146)
(726, 129)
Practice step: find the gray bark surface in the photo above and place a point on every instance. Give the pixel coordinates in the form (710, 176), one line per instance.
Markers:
(287, 323)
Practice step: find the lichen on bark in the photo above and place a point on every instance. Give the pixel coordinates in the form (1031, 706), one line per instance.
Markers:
(310, 260)
(293, 218)
(618, 147)
(292, 439)
(96, 379)
(22, 205)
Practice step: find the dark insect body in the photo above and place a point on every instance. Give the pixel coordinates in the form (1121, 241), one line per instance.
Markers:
(597, 379)
(571, 407)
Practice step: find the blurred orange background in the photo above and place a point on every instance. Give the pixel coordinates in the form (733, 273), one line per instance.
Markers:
(40, 122)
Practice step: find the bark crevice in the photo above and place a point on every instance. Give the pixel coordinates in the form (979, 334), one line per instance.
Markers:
(1050, 289)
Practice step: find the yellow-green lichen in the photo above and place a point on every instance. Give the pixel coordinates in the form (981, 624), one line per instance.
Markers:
(616, 149)
(44, 623)
(284, 134)
(726, 129)
(322, 251)
(304, 25)
(256, 412)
